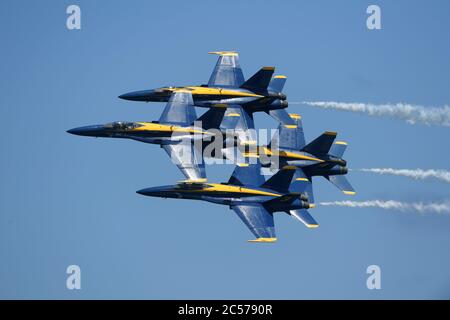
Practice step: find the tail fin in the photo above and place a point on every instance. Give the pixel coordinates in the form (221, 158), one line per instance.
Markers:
(342, 183)
(338, 149)
(322, 144)
(212, 118)
(289, 136)
(281, 180)
(277, 83)
(260, 80)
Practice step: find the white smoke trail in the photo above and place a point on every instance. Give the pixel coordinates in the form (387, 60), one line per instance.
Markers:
(417, 174)
(420, 207)
(412, 114)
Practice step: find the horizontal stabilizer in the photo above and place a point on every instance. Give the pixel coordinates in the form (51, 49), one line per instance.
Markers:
(321, 145)
(342, 183)
(304, 216)
(338, 149)
(260, 80)
(277, 83)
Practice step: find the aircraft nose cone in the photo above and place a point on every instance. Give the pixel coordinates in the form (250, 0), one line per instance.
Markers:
(93, 131)
(143, 95)
(142, 191)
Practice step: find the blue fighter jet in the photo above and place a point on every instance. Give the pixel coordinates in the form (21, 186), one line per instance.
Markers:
(252, 198)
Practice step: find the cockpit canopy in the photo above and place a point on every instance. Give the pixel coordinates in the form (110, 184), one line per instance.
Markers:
(121, 125)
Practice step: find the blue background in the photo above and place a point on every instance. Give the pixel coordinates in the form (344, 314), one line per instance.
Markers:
(71, 200)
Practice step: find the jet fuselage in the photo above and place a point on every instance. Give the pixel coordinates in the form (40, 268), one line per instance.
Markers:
(224, 194)
(312, 165)
(204, 96)
(149, 132)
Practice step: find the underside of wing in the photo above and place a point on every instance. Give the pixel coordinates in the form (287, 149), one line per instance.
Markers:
(258, 220)
(185, 156)
(180, 109)
(227, 72)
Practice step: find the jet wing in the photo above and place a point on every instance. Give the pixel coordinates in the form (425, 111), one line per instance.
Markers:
(290, 136)
(258, 220)
(185, 156)
(247, 175)
(180, 109)
(227, 72)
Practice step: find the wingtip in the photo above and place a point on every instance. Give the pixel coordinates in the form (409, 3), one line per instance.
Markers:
(263, 240)
(224, 53)
(350, 193)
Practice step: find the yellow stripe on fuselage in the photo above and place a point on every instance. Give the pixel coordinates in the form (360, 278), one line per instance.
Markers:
(216, 92)
(217, 187)
(149, 126)
(288, 154)
(235, 189)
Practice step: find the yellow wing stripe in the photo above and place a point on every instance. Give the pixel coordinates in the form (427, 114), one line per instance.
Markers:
(224, 53)
(267, 240)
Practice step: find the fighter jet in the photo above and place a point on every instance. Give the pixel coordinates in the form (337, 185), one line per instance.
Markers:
(321, 157)
(227, 86)
(174, 132)
(248, 194)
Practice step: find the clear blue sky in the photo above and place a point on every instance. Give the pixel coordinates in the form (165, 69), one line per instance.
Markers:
(71, 200)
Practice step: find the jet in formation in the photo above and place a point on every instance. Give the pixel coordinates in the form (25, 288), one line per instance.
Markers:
(248, 194)
(231, 103)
